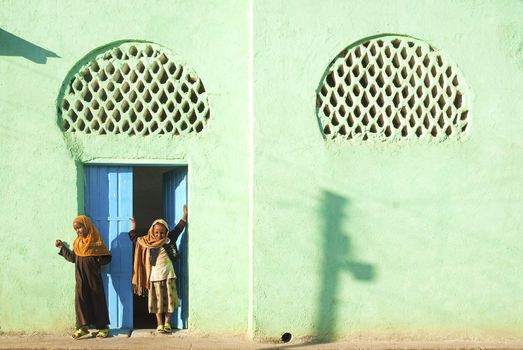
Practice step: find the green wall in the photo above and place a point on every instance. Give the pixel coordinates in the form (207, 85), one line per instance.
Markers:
(39, 187)
(387, 239)
(414, 239)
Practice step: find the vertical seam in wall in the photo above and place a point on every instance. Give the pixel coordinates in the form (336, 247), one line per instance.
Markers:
(250, 160)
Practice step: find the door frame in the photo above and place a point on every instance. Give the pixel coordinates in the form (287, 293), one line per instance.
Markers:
(81, 187)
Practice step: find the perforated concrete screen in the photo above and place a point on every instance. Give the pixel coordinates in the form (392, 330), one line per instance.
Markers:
(135, 89)
(392, 88)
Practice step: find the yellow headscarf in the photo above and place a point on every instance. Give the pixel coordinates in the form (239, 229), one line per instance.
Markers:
(93, 244)
(142, 264)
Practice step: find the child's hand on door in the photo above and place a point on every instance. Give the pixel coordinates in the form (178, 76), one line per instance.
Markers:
(184, 217)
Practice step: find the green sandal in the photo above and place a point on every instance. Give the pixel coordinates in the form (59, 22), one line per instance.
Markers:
(79, 333)
(103, 333)
(167, 328)
(160, 329)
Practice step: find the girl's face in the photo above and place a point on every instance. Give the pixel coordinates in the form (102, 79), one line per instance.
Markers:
(159, 231)
(80, 229)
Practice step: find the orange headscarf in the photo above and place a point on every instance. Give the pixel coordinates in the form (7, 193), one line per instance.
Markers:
(142, 264)
(93, 244)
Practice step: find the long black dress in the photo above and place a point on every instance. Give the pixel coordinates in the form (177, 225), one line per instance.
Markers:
(89, 299)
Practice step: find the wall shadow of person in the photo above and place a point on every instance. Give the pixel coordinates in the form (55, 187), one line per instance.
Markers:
(117, 274)
(180, 317)
(337, 258)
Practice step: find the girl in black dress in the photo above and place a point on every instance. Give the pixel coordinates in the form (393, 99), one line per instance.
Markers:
(89, 254)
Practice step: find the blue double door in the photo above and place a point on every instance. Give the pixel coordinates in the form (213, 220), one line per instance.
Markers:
(109, 203)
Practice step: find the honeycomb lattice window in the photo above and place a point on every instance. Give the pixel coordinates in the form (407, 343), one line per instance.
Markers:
(390, 88)
(135, 89)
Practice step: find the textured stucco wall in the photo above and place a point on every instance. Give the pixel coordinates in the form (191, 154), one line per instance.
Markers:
(39, 189)
(373, 239)
(369, 239)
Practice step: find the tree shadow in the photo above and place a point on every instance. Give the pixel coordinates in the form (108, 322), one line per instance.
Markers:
(12, 45)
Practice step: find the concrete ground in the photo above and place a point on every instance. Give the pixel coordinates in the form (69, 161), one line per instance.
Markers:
(148, 339)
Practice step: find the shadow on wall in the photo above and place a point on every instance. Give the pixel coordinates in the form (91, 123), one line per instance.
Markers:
(338, 258)
(12, 45)
(120, 246)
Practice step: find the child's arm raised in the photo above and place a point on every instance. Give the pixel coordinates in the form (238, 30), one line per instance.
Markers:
(178, 229)
(64, 251)
(133, 235)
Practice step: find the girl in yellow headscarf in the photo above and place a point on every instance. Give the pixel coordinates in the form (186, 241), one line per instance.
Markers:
(89, 254)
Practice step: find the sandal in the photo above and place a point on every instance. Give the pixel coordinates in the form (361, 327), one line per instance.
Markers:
(80, 332)
(103, 333)
(167, 328)
(160, 329)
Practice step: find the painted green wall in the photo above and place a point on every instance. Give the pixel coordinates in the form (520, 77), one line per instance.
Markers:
(414, 238)
(39, 175)
(418, 239)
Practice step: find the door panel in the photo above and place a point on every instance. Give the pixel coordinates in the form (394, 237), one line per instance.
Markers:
(175, 196)
(109, 203)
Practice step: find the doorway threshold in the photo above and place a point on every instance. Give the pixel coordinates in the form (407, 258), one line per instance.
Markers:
(146, 333)
(120, 332)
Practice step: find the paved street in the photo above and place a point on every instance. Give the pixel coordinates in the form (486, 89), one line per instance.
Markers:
(145, 339)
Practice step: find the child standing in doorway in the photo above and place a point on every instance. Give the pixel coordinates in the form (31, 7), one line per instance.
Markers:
(153, 268)
(89, 254)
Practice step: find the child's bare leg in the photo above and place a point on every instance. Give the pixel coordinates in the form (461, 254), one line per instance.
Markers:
(159, 319)
(167, 318)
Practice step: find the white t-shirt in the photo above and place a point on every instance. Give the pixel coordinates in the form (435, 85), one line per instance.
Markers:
(163, 269)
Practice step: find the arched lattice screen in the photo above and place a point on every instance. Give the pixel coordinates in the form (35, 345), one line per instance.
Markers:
(392, 88)
(135, 89)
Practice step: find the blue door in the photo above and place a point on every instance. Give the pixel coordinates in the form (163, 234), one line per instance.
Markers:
(174, 197)
(109, 203)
